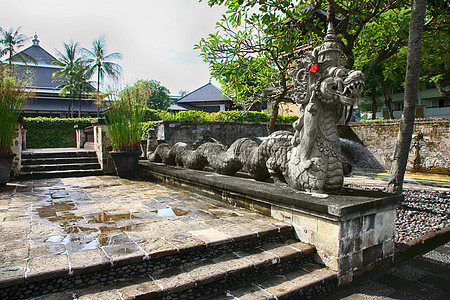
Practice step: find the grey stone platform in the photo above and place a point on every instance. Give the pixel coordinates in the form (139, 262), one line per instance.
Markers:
(353, 230)
(58, 162)
(108, 238)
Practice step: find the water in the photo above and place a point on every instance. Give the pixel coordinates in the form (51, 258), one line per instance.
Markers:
(360, 157)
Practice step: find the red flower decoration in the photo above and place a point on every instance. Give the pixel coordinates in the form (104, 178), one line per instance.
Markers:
(313, 68)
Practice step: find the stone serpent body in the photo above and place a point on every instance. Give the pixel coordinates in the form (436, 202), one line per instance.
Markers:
(308, 159)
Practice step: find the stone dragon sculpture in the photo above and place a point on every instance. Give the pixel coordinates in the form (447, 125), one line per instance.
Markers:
(308, 159)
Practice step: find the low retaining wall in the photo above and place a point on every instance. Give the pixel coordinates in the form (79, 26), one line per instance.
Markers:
(196, 132)
(430, 145)
(353, 231)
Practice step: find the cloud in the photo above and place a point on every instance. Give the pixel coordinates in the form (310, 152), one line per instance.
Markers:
(187, 57)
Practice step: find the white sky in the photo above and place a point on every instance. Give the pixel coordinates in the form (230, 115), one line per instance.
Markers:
(155, 37)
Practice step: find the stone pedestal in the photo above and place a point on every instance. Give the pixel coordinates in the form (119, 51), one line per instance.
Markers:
(352, 230)
(350, 243)
(102, 146)
(17, 149)
(80, 135)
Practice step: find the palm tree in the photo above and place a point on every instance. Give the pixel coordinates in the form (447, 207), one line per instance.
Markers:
(74, 73)
(82, 74)
(10, 41)
(100, 62)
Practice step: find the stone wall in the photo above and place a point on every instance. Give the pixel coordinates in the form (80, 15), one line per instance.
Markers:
(197, 132)
(430, 145)
(352, 231)
(102, 146)
(16, 147)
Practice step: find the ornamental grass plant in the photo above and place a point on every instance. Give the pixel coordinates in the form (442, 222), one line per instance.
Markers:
(13, 97)
(124, 118)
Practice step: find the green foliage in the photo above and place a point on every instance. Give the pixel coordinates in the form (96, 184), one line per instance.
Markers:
(124, 118)
(221, 116)
(145, 127)
(52, 132)
(157, 96)
(287, 119)
(100, 62)
(10, 42)
(12, 98)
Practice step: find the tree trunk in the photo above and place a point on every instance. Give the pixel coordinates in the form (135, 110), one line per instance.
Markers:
(79, 106)
(374, 107)
(330, 12)
(98, 91)
(398, 167)
(387, 104)
(349, 115)
(273, 117)
(71, 107)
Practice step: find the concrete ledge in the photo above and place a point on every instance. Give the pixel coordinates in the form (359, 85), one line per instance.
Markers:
(339, 207)
(353, 230)
(421, 245)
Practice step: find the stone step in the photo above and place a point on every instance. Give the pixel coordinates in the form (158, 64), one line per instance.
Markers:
(60, 174)
(269, 271)
(57, 273)
(29, 154)
(58, 160)
(60, 167)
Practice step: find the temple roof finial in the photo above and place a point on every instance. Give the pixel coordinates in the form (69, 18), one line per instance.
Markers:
(35, 40)
(330, 29)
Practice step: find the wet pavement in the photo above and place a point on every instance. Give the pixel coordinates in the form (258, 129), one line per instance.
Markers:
(69, 224)
(65, 225)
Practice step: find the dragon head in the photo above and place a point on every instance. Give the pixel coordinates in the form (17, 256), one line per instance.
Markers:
(353, 87)
(343, 86)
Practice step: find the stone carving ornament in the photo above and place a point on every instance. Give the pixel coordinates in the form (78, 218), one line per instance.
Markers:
(308, 159)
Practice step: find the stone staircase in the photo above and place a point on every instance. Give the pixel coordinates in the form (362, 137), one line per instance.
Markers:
(53, 163)
(272, 265)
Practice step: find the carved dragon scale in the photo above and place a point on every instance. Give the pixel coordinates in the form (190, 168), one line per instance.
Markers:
(308, 159)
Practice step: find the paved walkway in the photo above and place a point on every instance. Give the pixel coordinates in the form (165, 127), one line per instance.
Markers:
(71, 223)
(67, 224)
(54, 150)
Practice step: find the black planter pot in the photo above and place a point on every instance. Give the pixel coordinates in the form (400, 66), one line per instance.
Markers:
(5, 167)
(126, 163)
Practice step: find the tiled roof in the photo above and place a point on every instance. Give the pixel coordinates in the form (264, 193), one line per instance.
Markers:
(39, 76)
(182, 106)
(206, 93)
(59, 105)
(38, 53)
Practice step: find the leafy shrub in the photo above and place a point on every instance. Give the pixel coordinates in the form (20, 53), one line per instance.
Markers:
(52, 132)
(287, 119)
(221, 116)
(145, 127)
(59, 133)
(124, 118)
(13, 97)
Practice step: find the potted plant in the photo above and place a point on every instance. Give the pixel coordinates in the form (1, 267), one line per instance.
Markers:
(12, 99)
(124, 118)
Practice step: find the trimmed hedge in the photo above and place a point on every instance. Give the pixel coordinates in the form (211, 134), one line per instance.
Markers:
(59, 133)
(221, 116)
(52, 132)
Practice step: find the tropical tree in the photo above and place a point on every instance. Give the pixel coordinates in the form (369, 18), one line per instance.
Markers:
(183, 93)
(74, 74)
(10, 42)
(252, 54)
(271, 34)
(100, 63)
(398, 167)
(156, 95)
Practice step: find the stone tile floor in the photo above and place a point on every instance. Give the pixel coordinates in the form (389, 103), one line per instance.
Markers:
(72, 223)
